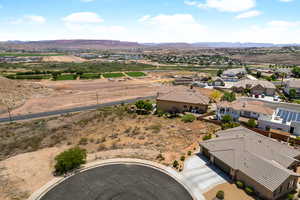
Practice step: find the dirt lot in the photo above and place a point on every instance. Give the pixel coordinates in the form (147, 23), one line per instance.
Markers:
(63, 59)
(231, 192)
(106, 133)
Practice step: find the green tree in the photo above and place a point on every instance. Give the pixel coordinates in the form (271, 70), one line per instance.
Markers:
(144, 105)
(296, 72)
(70, 160)
(229, 96)
(220, 195)
(220, 72)
(258, 74)
(227, 119)
(292, 93)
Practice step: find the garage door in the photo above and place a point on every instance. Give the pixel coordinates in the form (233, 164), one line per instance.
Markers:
(222, 166)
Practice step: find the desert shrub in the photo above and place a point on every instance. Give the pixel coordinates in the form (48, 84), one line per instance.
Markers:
(160, 157)
(188, 118)
(83, 141)
(240, 184)
(251, 123)
(207, 137)
(220, 195)
(70, 160)
(189, 153)
(230, 125)
(155, 128)
(175, 164)
(144, 105)
(182, 158)
(249, 190)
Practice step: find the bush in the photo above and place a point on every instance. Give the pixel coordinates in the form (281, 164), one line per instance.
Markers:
(227, 119)
(188, 118)
(175, 164)
(290, 196)
(251, 123)
(240, 184)
(189, 153)
(70, 160)
(230, 125)
(207, 137)
(220, 195)
(83, 141)
(144, 105)
(182, 158)
(249, 190)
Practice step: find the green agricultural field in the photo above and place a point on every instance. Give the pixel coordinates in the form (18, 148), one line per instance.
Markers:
(27, 54)
(90, 76)
(65, 77)
(113, 75)
(135, 74)
(29, 77)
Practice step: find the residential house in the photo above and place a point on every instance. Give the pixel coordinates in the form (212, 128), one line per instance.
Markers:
(256, 87)
(259, 162)
(243, 108)
(293, 84)
(217, 82)
(233, 75)
(182, 99)
(282, 119)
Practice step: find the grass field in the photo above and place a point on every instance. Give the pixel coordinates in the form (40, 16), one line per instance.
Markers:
(90, 76)
(135, 74)
(66, 77)
(113, 75)
(27, 54)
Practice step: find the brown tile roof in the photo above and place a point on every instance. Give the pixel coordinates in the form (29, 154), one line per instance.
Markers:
(251, 106)
(259, 157)
(184, 95)
(253, 83)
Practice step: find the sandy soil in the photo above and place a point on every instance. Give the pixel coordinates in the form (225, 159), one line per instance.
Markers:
(231, 192)
(69, 94)
(63, 59)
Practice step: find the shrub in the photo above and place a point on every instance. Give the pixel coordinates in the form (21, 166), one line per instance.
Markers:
(70, 160)
(182, 158)
(189, 153)
(83, 141)
(290, 196)
(230, 125)
(220, 195)
(175, 164)
(144, 105)
(251, 123)
(240, 184)
(249, 190)
(188, 118)
(207, 137)
(227, 119)
(229, 96)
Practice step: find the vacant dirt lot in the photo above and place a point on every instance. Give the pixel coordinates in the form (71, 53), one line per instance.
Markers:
(63, 59)
(106, 133)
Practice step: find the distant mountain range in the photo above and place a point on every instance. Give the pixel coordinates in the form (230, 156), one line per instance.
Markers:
(108, 44)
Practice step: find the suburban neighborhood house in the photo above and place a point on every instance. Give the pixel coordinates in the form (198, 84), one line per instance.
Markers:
(283, 120)
(182, 100)
(256, 87)
(233, 75)
(243, 108)
(258, 161)
(292, 84)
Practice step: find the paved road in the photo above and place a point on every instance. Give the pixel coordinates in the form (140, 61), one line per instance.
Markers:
(71, 110)
(200, 175)
(119, 182)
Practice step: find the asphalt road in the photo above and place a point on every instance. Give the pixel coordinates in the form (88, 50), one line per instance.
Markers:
(71, 110)
(119, 182)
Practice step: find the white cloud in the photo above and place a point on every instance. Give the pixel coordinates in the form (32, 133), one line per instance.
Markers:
(83, 17)
(33, 19)
(144, 18)
(87, 1)
(171, 28)
(225, 5)
(248, 14)
(286, 1)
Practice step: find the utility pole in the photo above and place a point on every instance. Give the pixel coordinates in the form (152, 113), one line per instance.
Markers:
(9, 113)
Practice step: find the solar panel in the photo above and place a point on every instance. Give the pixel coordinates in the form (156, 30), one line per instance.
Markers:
(290, 115)
(279, 112)
(294, 116)
(298, 118)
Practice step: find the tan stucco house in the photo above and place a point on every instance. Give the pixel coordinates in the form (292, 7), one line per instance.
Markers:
(260, 162)
(256, 87)
(182, 100)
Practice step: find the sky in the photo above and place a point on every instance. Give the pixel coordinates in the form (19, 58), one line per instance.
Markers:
(263, 21)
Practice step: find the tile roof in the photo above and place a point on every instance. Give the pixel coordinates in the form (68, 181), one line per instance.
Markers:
(250, 106)
(293, 83)
(253, 83)
(259, 157)
(184, 95)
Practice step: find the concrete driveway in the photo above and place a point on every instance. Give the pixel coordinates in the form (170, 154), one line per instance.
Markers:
(200, 175)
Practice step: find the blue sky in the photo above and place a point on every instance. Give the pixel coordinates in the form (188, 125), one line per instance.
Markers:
(276, 21)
